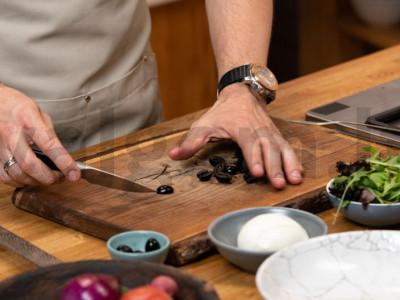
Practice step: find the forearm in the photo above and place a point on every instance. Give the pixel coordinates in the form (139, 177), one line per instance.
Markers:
(240, 31)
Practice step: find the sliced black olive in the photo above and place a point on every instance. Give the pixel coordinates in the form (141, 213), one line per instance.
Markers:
(219, 167)
(165, 189)
(231, 169)
(125, 248)
(223, 177)
(152, 245)
(249, 178)
(204, 175)
(216, 160)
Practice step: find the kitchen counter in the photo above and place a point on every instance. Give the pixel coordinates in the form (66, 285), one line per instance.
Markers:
(294, 99)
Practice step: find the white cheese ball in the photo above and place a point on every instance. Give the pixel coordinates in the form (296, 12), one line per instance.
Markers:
(270, 233)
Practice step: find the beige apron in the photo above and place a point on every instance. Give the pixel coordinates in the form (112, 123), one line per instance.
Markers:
(86, 63)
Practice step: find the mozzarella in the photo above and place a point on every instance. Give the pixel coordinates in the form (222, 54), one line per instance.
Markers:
(270, 233)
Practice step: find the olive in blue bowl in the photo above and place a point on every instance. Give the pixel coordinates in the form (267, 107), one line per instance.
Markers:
(143, 245)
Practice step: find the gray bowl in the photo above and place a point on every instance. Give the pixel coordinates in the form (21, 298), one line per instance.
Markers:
(223, 233)
(377, 215)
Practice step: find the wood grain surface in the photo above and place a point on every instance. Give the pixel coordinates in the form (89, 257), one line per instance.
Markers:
(185, 215)
(294, 99)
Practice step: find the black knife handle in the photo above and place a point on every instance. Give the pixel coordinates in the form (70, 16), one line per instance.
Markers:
(45, 159)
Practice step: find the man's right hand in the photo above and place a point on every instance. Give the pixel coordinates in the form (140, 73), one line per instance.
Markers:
(23, 124)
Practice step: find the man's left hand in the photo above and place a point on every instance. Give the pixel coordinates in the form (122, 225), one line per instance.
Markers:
(239, 116)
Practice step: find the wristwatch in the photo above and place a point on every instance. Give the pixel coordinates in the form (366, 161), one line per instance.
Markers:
(260, 79)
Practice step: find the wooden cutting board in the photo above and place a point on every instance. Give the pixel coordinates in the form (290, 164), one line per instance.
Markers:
(185, 215)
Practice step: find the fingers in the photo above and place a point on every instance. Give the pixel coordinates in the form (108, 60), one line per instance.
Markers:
(293, 167)
(273, 163)
(21, 125)
(252, 153)
(7, 179)
(278, 158)
(46, 139)
(17, 175)
(196, 139)
(29, 170)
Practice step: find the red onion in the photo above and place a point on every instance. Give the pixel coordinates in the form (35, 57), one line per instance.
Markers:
(92, 287)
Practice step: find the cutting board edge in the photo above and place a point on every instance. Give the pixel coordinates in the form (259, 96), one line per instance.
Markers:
(187, 250)
(73, 221)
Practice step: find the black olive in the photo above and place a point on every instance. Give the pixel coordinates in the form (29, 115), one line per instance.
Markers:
(223, 177)
(125, 248)
(231, 169)
(204, 175)
(249, 178)
(165, 189)
(219, 167)
(152, 245)
(216, 160)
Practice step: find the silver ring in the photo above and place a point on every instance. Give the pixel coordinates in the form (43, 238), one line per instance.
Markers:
(8, 164)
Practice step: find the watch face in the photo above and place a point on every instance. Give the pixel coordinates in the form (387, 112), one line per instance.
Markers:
(265, 77)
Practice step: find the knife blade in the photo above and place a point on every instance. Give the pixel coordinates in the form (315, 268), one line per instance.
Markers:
(22, 247)
(98, 177)
(327, 123)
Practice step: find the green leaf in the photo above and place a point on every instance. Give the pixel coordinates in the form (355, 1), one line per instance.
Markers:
(373, 151)
(379, 179)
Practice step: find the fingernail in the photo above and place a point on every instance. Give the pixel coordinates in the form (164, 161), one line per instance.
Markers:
(73, 175)
(297, 174)
(174, 152)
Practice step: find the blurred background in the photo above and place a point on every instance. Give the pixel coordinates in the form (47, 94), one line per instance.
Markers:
(308, 35)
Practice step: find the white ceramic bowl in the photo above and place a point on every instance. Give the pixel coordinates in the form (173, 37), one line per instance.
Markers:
(374, 214)
(358, 265)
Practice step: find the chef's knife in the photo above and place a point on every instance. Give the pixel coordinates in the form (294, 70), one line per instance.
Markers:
(25, 249)
(97, 176)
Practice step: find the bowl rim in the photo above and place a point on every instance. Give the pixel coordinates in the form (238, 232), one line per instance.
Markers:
(268, 261)
(218, 243)
(144, 254)
(355, 202)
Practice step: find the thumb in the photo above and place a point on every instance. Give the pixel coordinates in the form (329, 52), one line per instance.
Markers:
(196, 139)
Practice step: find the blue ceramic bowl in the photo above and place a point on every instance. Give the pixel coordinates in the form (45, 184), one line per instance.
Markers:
(374, 214)
(137, 240)
(223, 233)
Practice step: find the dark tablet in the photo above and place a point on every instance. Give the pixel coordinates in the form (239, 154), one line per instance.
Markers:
(389, 118)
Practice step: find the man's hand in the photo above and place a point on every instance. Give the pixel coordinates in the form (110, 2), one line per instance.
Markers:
(237, 115)
(22, 124)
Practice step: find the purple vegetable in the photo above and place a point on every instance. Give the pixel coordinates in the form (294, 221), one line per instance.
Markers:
(92, 287)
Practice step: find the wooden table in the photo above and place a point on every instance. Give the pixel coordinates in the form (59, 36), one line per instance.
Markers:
(295, 98)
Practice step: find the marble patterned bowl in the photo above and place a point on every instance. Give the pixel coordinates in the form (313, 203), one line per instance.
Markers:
(358, 265)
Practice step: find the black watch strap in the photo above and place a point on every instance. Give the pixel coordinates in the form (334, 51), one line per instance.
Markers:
(233, 76)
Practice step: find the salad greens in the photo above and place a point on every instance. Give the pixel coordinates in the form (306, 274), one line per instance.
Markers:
(374, 180)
